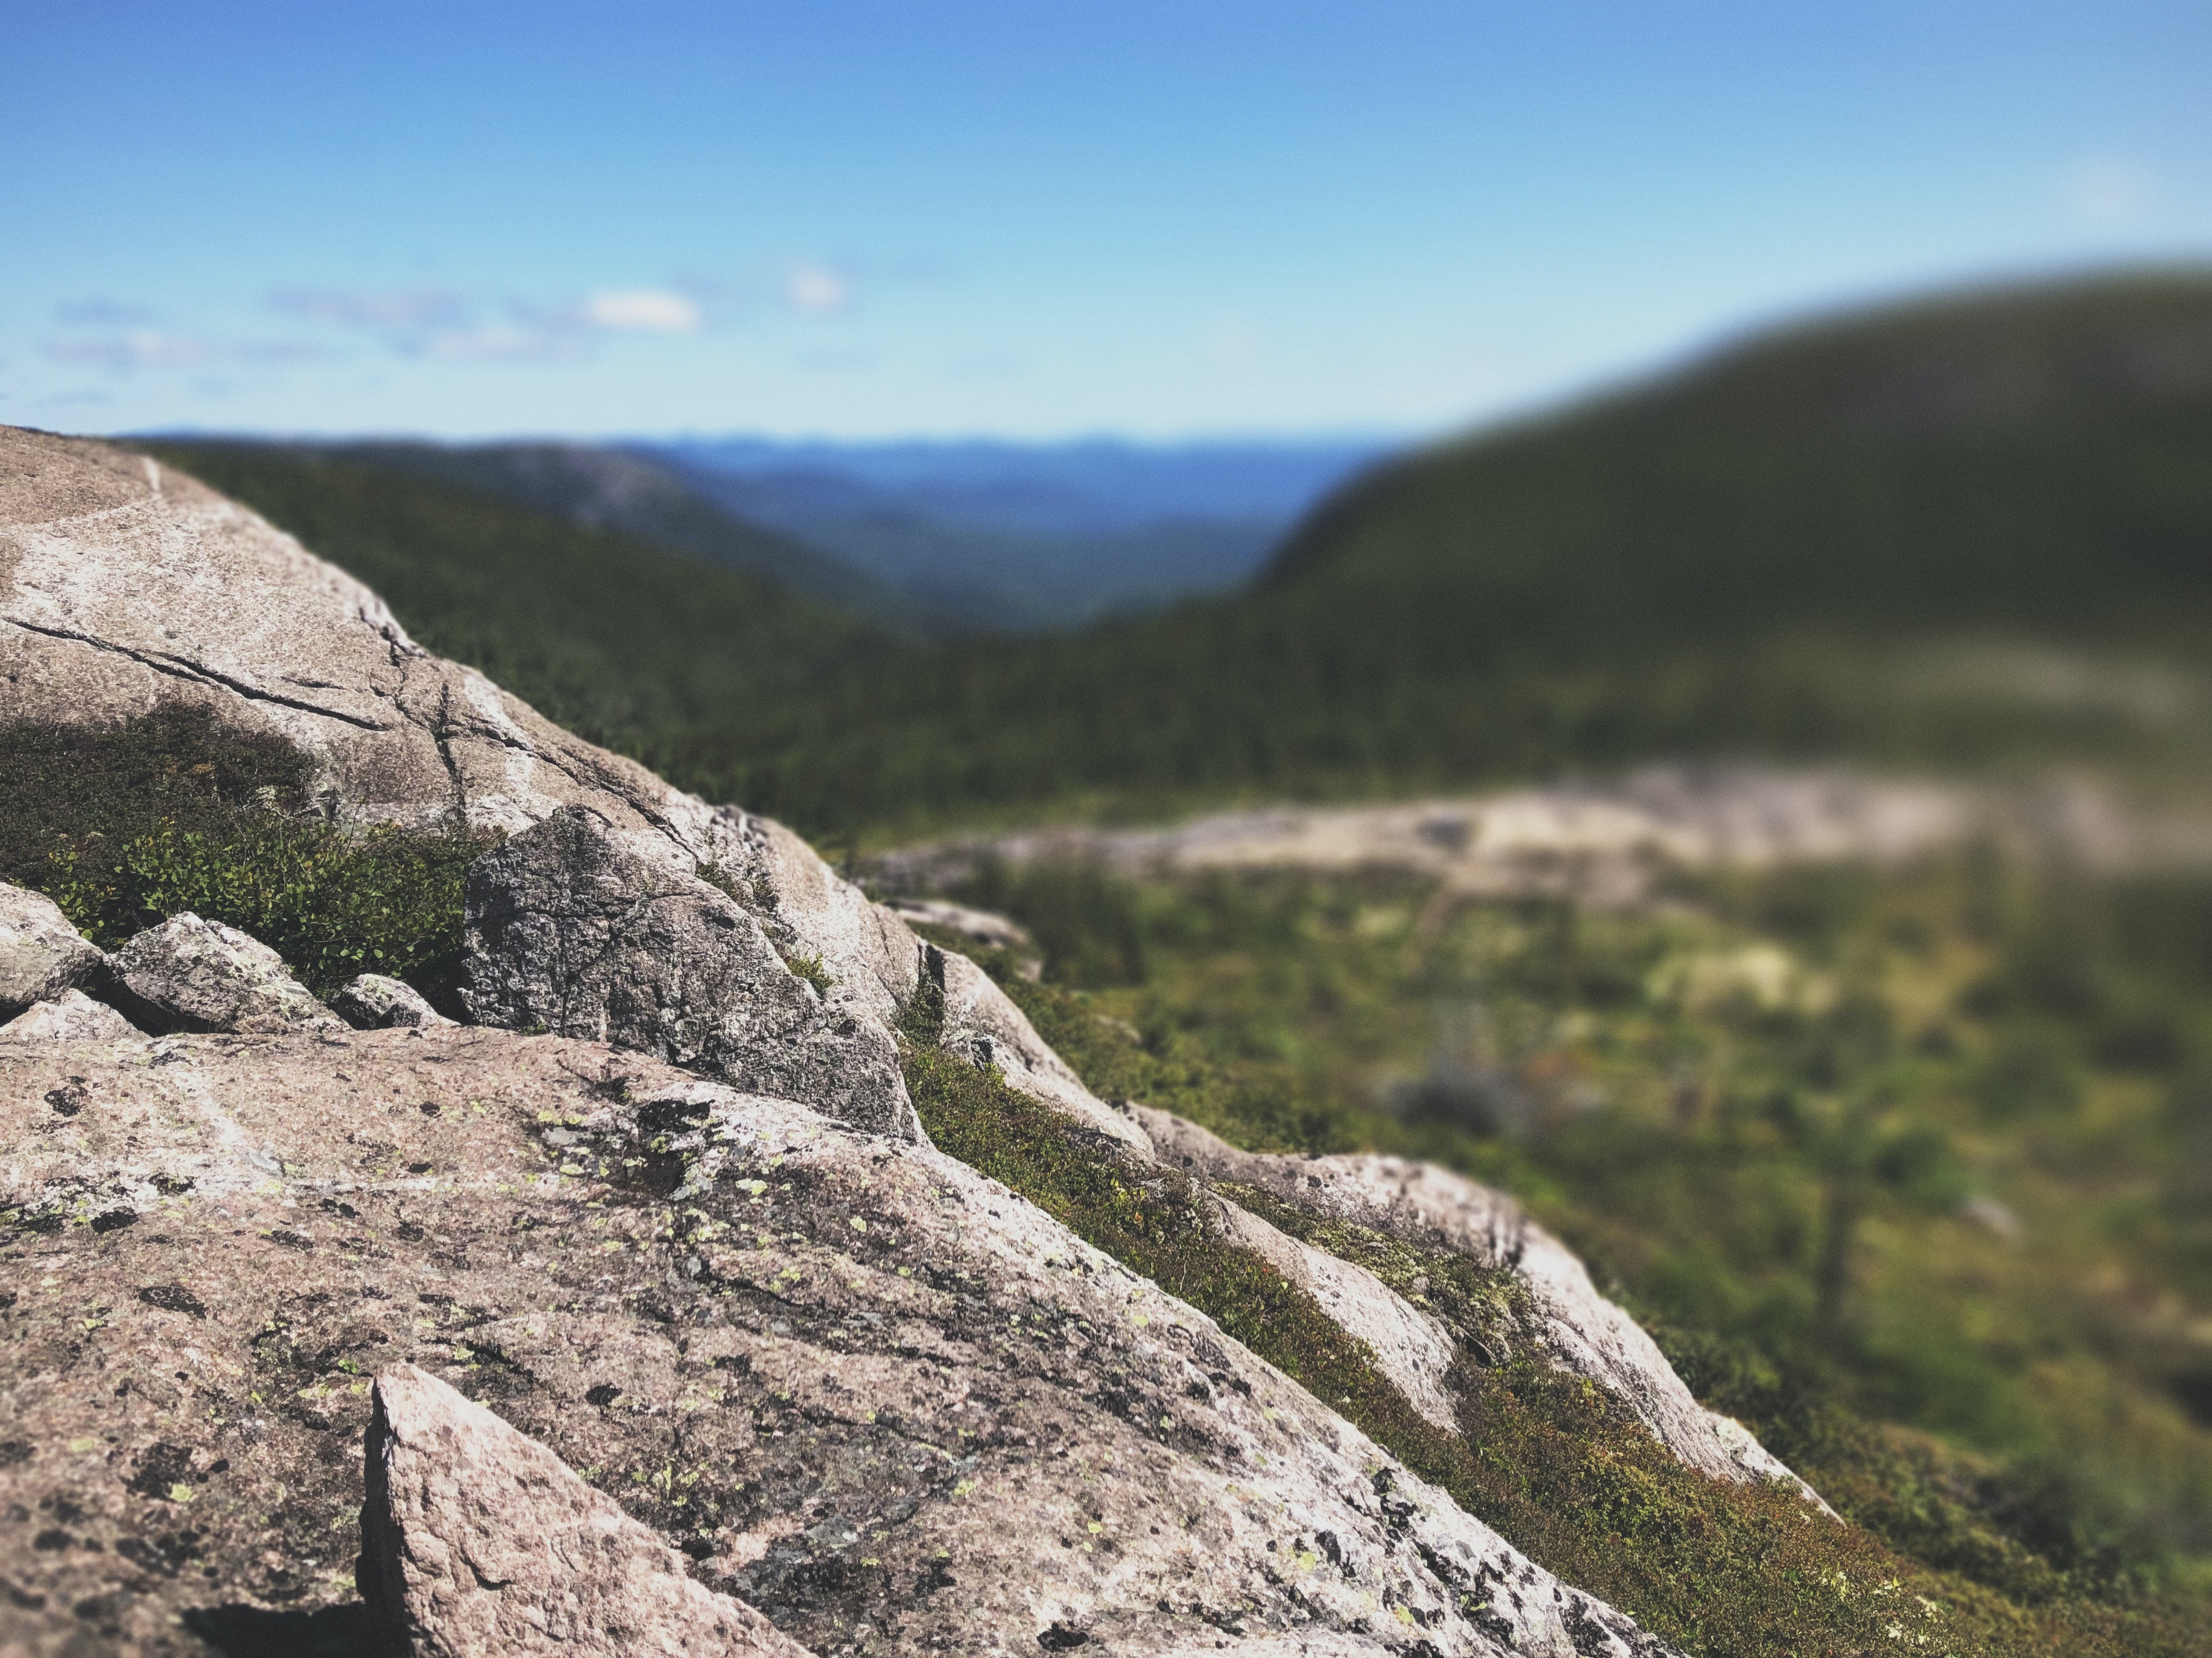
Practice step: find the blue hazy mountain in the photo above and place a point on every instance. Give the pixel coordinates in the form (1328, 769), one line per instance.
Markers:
(1019, 536)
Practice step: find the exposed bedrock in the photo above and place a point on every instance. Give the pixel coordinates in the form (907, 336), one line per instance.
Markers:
(865, 1391)
(861, 1387)
(125, 586)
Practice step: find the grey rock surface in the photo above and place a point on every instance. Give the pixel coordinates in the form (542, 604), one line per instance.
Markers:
(868, 1390)
(370, 1001)
(72, 1017)
(188, 973)
(1434, 1208)
(477, 1539)
(41, 954)
(569, 932)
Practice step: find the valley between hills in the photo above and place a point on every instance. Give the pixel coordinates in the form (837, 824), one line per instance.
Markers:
(1610, 1055)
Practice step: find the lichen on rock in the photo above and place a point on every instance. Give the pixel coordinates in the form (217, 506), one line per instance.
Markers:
(570, 932)
(187, 973)
(477, 1539)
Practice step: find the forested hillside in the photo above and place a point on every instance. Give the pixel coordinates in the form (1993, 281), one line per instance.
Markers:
(1866, 536)
(626, 641)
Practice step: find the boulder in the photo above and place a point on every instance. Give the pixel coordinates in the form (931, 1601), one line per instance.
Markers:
(370, 1001)
(72, 1017)
(866, 1390)
(41, 954)
(477, 1539)
(192, 974)
(569, 932)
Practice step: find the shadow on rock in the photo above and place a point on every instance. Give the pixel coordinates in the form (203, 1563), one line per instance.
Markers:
(243, 1631)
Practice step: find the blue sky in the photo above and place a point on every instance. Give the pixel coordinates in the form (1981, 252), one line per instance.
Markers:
(1033, 219)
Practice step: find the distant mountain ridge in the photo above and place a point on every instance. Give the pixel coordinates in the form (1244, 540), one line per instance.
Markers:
(925, 540)
(1020, 536)
(604, 487)
(1085, 486)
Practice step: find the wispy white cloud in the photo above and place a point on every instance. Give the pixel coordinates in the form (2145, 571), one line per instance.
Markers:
(446, 324)
(148, 347)
(817, 289)
(2108, 191)
(643, 310)
(398, 310)
(103, 313)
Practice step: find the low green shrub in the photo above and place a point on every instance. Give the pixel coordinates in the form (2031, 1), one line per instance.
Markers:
(125, 825)
(332, 903)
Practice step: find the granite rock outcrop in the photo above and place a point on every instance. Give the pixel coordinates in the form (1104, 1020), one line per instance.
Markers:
(866, 1390)
(664, 1209)
(41, 954)
(187, 973)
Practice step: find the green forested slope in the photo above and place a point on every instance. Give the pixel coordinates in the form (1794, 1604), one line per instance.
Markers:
(1786, 548)
(2039, 459)
(630, 493)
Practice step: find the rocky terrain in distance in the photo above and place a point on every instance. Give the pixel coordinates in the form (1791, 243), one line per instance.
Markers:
(653, 1242)
(1604, 841)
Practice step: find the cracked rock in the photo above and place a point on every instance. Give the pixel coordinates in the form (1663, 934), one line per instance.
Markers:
(567, 931)
(125, 587)
(477, 1539)
(192, 974)
(371, 1001)
(41, 954)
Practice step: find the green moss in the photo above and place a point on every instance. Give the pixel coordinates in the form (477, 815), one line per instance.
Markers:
(810, 968)
(1156, 1220)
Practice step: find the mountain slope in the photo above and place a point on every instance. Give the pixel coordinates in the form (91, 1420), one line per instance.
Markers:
(601, 488)
(2037, 458)
(1863, 536)
(625, 642)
